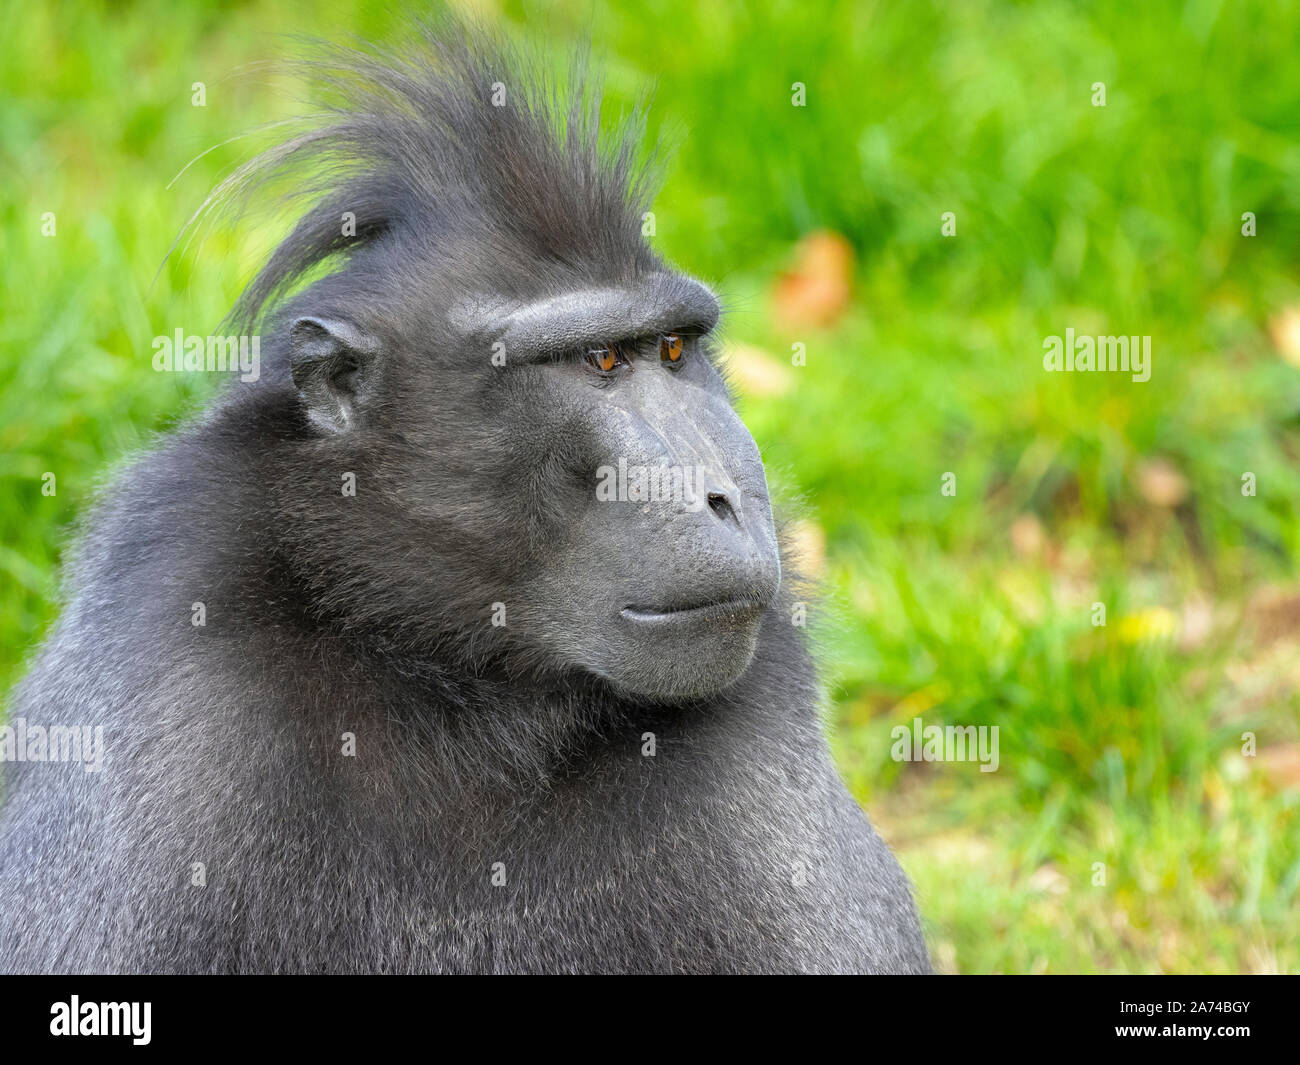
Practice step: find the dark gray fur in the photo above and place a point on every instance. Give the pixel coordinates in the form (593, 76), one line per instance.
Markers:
(735, 848)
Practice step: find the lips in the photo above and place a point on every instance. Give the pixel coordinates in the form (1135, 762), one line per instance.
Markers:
(731, 610)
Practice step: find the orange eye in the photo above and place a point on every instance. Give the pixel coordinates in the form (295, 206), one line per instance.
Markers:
(603, 359)
(670, 347)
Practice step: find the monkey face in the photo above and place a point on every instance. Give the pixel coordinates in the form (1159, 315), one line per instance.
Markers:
(670, 559)
(564, 482)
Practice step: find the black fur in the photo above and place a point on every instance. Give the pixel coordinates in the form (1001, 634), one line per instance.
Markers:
(735, 847)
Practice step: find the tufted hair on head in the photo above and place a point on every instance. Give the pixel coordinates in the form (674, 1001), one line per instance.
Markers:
(459, 159)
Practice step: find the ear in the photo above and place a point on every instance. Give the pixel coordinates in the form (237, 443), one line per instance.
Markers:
(332, 362)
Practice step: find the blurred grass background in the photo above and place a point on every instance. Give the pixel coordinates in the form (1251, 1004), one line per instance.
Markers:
(1120, 744)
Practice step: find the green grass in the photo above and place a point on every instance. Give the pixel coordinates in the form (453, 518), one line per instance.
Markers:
(1119, 744)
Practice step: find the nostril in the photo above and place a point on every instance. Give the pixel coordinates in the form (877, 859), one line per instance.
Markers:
(721, 505)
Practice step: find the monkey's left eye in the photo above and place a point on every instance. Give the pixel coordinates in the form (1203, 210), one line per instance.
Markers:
(670, 349)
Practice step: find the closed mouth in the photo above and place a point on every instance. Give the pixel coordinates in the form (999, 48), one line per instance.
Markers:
(737, 609)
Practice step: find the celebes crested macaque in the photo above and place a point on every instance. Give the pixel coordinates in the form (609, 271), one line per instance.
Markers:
(385, 684)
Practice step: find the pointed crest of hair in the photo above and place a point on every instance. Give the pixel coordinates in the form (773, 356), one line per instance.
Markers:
(456, 141)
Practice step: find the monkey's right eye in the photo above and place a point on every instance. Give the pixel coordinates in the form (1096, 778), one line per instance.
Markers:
(604, 358)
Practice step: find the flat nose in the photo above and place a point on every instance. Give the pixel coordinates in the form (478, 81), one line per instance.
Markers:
(721, 506)
(708, 448)
(716, 489)
(710, 537)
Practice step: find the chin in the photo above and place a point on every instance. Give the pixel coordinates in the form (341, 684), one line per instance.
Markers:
(682, 662)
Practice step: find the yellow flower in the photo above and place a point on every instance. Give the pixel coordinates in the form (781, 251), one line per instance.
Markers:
(1153, 623)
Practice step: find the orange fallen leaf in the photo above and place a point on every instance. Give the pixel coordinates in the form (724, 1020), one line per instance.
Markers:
(816, 292)
(1281, 765)
(1274, 614)
(1027, 535)
(1160, 483)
